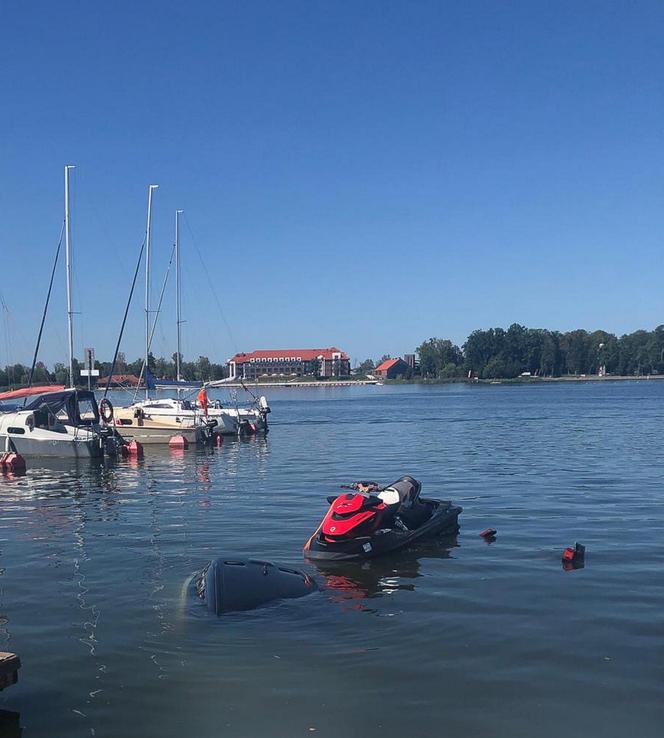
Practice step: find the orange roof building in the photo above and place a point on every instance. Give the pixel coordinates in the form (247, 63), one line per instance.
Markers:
(391, 368)
(325, 362)
(119, 380)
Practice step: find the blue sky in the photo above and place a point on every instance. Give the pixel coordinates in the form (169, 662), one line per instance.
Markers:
(363, 174)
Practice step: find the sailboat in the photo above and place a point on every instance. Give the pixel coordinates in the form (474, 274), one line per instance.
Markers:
(225, 420)
(142, 421)
(54, 421)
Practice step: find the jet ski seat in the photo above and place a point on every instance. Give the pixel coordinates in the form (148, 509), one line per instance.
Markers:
(404, 492)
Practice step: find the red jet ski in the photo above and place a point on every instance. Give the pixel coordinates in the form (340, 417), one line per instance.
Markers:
(373, 520)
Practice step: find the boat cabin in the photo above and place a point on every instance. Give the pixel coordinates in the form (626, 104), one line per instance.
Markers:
(54, 410)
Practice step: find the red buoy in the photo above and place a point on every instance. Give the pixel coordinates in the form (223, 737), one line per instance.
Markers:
(12, 463)
(574, 558)
(568, 554)
(488, 533)
(134, 448)
(178, 442)
(218, 439)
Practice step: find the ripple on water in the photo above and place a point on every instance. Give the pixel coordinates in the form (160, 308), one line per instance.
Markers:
(452, 637)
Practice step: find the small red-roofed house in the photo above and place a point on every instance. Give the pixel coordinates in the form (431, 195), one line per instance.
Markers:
(391, 368)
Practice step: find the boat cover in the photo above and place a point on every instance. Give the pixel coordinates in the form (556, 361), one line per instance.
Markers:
(29, 391)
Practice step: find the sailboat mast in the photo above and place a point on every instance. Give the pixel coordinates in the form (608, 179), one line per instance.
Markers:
(177, 290)
(70, 312)
(148, 237)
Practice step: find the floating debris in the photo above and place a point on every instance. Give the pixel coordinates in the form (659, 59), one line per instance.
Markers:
(574, 558)
(9, 666)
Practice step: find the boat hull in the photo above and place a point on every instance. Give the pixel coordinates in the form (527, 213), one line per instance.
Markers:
(159, 434)
(56, 448)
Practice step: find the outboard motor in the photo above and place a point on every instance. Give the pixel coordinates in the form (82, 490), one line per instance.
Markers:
(228, 585)
(208, 430)
(111, 441)
(264, 410)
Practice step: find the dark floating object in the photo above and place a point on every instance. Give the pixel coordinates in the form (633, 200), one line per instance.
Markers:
(10, 724)
(232, 585)
(574, 558)
(9, 666)
(488, 533)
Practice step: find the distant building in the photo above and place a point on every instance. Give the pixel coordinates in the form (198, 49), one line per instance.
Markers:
(391, 368)
(410, 360)
(328, 362)
(119, 380)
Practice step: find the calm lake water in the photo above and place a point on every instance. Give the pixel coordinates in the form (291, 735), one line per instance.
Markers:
(452, 638)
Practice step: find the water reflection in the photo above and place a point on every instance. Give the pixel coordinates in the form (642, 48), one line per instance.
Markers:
(353, 582)
(234, 452)
(95, 553)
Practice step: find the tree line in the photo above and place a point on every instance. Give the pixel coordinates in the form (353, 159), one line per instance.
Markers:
(497, 353)
(201, 370)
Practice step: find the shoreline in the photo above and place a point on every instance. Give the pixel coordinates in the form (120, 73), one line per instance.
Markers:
(419, 380)
(451, 380)
(530, 380)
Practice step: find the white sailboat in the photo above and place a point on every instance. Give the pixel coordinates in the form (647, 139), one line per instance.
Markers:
(57, 421)
(142, 421)
(228, 420)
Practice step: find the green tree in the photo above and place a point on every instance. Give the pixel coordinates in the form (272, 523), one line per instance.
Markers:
(576, 346)
(551, 358)
(202, 372)
(436, 354)
(366, 367)
(41, 374)
(61, 373)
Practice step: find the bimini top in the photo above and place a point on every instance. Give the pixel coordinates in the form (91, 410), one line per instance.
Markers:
(69, 401)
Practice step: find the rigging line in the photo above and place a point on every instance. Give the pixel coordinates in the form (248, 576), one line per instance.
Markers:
(5, 313)
(156, 317)
(12, 331)
(246, 389)
(210, 284)
(124, 319)
(216, 297)
(76, 290)
(9, 368)
(46, 303)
